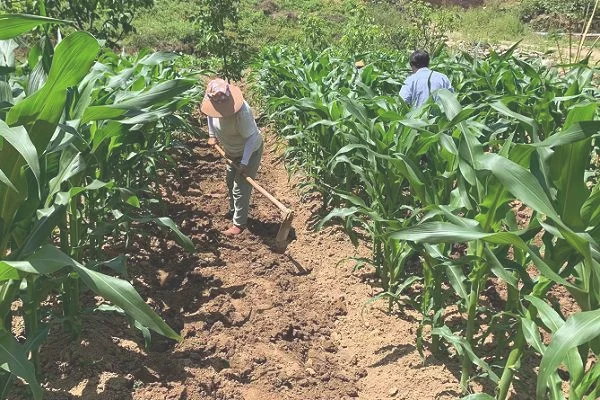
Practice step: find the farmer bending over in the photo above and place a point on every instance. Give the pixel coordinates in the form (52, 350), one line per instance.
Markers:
(230, 122)
(418, 87)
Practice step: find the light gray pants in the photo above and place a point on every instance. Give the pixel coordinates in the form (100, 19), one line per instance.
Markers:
(239, 188)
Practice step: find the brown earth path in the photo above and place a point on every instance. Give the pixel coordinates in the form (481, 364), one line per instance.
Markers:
(257, 325)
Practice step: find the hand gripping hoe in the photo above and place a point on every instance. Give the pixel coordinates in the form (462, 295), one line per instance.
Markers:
(281, 240)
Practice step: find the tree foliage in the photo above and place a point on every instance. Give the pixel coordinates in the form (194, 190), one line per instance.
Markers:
(221, 36)
(556, 13)
(105, 19)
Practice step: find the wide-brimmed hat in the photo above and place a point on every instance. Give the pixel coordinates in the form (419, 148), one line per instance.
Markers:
(221, 99)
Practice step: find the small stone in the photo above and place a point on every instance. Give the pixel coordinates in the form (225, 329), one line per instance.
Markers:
(329, 346)
(311, 371)
(393, 391)
(217, 326)
(260, 359)
(303, 382)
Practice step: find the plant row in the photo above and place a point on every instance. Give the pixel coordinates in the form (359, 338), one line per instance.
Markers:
(479, 206)
(84, 134)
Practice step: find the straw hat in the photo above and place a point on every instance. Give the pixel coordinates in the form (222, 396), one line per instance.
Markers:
(221, 99)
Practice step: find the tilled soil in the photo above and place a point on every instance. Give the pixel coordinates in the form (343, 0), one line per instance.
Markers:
(256, 323)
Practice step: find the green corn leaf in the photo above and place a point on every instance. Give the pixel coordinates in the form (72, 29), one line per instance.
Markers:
(450, 105)
(457, 279)
(34, 341)
(567, 168)
(19, 139)
(46, 260)
(580, 328)
(71, 164)
(591, 378)
(463, 348)
(40, 114)
(122, 294)
(554, 322)
(179, 236)
(7, 272)
(498, 269)
(443, 232)
(13, 25)
(520, 182)
(4, 179)
(168, 223)
(46, 221)
(478, 396)
(13, 358)
(504, 110)
(568, 135)
(547, 314)
(49, 259)
(158, 58)
(342, 213)
(590, 210)
(532, 335)
(155, 96)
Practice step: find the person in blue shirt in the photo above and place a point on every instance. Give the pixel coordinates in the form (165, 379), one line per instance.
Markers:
(423, 82)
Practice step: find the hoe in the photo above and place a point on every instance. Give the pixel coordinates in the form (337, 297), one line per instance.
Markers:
(281, 240)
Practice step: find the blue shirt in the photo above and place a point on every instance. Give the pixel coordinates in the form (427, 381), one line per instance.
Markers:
(421, 84)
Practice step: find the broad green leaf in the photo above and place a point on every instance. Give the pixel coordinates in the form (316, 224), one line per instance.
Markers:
(498, 269)
(46, 260)
(158, 58)
(179, 236)
(7, 272)
(576, 132)
(567, 168)
(13, 358)
(4, 179)
(457, 279)
(520, 182)
(342, 213)
(122, 294)
(45, 222)
(532, 335)
(449, 102)
(580, 328)
(478, 396)
(504, 110)
(49, 259)
(18, 138)
(154, 96)
(590, 210)
(40, 114)
(591, 378)
(71, 163)
(464, 349)
(443, 232)
(13, 25)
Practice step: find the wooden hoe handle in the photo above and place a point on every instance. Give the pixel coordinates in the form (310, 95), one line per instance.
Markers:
(255, 184)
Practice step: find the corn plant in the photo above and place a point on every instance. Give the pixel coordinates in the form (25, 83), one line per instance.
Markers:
(79, 147)
(439, 184)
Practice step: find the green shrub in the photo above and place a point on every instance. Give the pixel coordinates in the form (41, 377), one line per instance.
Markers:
(105, 19)
(166, 26)
(547, 14)
(493, 22)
